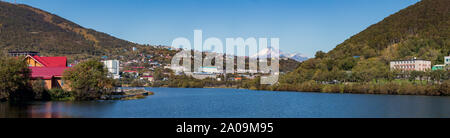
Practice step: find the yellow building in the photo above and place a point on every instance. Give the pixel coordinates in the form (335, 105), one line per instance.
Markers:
(49, 69)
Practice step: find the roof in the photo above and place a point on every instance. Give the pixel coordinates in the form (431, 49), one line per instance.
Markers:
(47, 72)
(410, 60)
(51, 61)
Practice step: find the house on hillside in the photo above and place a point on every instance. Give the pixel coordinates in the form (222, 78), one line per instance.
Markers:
(148, 78)
(49, 69)
(212, 70)
(131, 73)
(113, 67)
(411, 65)
(438, 67)
(445, 66)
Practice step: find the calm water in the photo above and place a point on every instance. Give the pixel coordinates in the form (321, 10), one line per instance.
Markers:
(225, 103)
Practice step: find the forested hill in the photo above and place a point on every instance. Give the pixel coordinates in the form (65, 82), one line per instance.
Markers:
(421, 30)
(26, 28)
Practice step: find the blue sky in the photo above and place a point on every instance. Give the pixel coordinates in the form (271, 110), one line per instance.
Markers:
(303, 26)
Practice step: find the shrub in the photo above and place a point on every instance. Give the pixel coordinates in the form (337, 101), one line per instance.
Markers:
(332, 89)
(39, 90)
(88, 80)
(14, 80)
(59, 94)
(444, 88)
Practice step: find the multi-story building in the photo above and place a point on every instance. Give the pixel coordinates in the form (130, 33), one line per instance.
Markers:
(113, 67)
(411, 65)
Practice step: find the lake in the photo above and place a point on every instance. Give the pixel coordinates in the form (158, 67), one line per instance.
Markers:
(239, 103)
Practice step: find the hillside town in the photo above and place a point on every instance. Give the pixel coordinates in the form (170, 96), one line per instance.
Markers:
(143, 72)
(50, 69)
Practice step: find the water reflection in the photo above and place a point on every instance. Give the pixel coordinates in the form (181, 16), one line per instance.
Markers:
(8, 110)
(232, 103)
(51, 109)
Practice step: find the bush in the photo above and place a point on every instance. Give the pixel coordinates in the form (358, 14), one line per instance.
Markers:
(39, 90)
(59, 94)
(88, 80)
(333, 89)
(444, 88)
(14, 80)
(309, 86)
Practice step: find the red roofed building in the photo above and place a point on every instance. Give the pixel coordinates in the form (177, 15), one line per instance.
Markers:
(49, 69)
(37, 61)
(130, 71)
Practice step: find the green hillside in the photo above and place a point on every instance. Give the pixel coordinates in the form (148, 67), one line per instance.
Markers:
(361, 63)
(421, 30)
(24, 28)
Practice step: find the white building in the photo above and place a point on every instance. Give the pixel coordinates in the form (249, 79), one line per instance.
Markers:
(113, 67)
(209, 70)
(447, 60)
(178, 69)
(411, 65)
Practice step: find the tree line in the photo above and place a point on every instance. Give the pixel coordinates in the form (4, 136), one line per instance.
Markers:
(87, 81)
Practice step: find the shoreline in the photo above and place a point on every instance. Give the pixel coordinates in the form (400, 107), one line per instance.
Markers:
(287, 91)
(128, 94)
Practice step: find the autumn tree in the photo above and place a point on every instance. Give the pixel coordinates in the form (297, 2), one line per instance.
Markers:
(14, 79)
(88, 80)
(368, 70)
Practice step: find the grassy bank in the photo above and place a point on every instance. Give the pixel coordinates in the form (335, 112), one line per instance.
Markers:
(392, 88)
(61, 95)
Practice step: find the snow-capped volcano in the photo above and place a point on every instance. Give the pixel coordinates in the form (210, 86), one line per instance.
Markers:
(297, 56)
(271, 52)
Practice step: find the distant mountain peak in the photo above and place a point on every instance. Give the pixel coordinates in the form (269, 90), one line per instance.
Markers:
(272, 52)
(298, 57)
